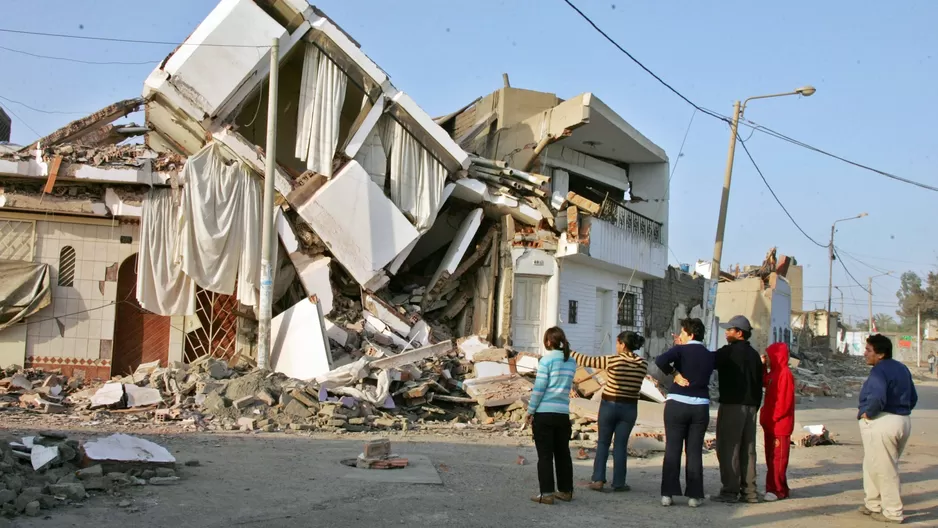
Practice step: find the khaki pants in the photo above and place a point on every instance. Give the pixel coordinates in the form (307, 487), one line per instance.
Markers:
(884, 439)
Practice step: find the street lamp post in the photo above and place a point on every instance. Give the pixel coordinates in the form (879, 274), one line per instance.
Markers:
(869, 290)
(738, 110)
(841, 300)
(830, 258)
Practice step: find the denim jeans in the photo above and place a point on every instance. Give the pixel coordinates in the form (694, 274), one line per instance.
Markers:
(616, 418)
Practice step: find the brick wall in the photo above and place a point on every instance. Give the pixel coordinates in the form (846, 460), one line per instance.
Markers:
(662, 298)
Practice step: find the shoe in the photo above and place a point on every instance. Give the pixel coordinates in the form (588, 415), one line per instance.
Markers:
(694, 503)
(864, 510)
(563, 496)
(879, 517)
(728, 499)
(543, 498)
(770, 497)
(622, 489)
(750, 500)
(666, 501)
(596, 485)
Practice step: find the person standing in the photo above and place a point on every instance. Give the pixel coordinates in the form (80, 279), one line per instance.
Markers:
(931, 363)
(618, 409)
(549, 416)
(740, 375)
(778, 421)
(686, 412)
(887, 399)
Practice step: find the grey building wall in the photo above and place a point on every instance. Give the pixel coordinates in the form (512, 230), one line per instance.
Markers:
(666, 301)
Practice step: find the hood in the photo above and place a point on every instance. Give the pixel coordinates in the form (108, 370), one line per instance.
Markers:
(778, 355)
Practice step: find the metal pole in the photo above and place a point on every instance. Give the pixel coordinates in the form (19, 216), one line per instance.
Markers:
(724, 201)
(918, 339)
(830, 269)
(869, 290)
(267, 240)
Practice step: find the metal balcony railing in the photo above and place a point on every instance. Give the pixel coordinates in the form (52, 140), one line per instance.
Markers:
(615, 212)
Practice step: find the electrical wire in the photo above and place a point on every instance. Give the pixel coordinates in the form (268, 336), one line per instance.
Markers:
(127, 41)
(772, 191)
(20, 119)
(79, 61)
(34, 109)
(870, 266)
(837, 255)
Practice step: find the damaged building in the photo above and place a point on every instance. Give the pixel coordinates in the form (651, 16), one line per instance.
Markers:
(396, 231)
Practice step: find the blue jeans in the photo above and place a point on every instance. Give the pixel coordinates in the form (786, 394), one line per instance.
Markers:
(619, 419)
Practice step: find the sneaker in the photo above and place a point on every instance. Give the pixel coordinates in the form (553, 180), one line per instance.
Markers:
(543, 498)
(666, 501)
(564, 496)
(621, 489)
(694, 503)
(879, 517)
(596, 485)
(770, 497)
(864, 510)
(750, 500)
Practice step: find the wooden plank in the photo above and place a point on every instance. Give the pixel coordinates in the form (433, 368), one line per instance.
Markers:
(53, 174)
(586, 204)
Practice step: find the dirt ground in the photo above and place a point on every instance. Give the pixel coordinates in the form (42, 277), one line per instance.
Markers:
(284, 480)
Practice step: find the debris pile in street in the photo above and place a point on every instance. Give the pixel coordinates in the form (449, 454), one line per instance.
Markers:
(49, 470)
(820, 373)
(816, 435)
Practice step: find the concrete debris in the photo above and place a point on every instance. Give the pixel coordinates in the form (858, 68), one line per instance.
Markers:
(817, 435)
(377, 455)
(39, 473)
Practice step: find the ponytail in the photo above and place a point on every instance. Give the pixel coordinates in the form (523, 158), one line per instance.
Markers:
(555, 339)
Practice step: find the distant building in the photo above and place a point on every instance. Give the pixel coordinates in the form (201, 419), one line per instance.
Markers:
(5, 124)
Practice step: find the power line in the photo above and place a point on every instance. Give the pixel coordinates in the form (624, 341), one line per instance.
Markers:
(34, 109)
(79, 61)
(20, 119)
(766, 182)
(724, 118)
(836, 254)
(127, 41)
(874, 268)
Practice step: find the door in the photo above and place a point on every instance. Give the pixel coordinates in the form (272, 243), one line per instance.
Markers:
(602, 337)
(527, 304)
(139, 336)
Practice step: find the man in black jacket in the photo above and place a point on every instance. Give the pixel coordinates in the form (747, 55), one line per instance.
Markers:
(740, 370)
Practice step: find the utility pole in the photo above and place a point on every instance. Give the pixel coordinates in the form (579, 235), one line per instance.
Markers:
(869, 290)
(830, 268)
(918, 339)
(725, 199)
(267, 240)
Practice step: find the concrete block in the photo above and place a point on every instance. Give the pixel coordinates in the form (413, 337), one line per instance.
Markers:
(300, 348)
(377, 448)
(458, 247)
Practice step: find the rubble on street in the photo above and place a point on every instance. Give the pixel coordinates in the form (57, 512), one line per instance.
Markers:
(50, 470)
(821, 373)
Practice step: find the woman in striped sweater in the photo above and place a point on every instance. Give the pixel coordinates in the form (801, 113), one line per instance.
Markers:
(549, 416)
(618, 410)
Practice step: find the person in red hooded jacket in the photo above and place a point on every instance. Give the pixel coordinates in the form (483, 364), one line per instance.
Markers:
(778, 420)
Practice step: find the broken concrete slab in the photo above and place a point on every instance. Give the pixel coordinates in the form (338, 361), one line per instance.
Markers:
(650, 390)
(458, 247)
(387, 314)
(491, 369)
(363, 229)
(585, 408)
(42, 456)
(382, 333)
(300, 348)
(413, 356)
(141, 396)
(313, 272)
(126, 449)
(471, 345)
(498, 391)
(109, 394)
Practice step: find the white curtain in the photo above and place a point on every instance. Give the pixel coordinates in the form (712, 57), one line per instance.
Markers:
(417, 178)
(322, 94)
(162, 287)
(219, 225)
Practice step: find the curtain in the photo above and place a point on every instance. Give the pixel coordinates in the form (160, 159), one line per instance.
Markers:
(322, 94)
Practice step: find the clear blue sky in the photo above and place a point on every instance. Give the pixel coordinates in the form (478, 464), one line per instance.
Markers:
(875, 66)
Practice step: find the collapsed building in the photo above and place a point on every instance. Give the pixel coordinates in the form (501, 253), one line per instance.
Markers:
(398, 232)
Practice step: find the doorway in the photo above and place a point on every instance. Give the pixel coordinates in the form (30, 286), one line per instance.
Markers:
(139, 336)
(527, 305)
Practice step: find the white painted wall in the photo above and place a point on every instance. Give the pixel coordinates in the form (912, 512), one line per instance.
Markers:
(615, 245)
(579, 282)
(651, 181)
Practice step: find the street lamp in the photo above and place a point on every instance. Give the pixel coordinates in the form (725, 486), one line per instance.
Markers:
(830, 257)
(869, 290)
(841, 299)
(738, 110)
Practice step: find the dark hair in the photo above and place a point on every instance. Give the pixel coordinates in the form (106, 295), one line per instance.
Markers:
(631, 340)
(746, 334)
(881, 345)
(694, 328)
(555, 339)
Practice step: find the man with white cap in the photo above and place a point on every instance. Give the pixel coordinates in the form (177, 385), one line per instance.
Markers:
(740, 371)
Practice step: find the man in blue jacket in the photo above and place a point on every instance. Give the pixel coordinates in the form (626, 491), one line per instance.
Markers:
(886, 402)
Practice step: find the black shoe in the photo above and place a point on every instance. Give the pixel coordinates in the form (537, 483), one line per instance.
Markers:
(726, 499)
(623, 488)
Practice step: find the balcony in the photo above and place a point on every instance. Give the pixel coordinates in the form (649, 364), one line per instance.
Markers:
(619, 238)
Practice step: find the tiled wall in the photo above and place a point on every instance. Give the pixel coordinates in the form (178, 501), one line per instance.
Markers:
(76, 331)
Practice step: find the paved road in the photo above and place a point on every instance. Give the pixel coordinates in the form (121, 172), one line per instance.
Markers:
(295, 481)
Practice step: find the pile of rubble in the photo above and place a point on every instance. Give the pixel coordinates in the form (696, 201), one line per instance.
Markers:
(50, 470)
(820, 373)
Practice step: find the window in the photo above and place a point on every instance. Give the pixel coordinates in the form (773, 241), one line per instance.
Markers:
(571, 312)
(67, 266)
(627, 304)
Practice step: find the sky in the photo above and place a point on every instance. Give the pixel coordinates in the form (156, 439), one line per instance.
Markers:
(874, 64)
